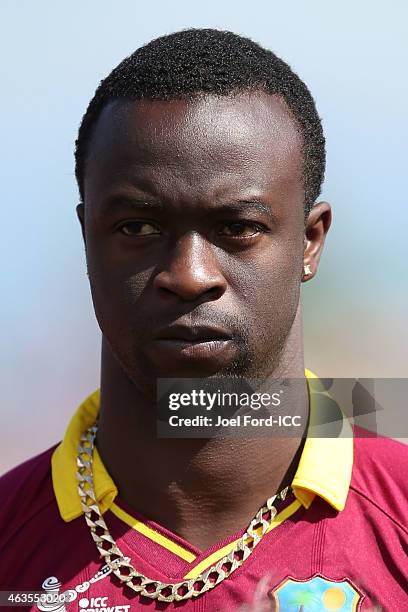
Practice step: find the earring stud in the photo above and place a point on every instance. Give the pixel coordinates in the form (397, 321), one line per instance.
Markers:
(306, 269)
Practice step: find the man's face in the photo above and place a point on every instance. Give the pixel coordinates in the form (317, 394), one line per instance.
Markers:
(194, 230)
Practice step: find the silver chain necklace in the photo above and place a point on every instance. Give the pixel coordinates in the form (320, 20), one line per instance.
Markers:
(124, 570)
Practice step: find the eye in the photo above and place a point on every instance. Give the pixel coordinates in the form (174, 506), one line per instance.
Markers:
(138, 228)
(241, 229)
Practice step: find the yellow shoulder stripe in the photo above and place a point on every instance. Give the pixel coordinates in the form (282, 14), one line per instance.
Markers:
(152, 534)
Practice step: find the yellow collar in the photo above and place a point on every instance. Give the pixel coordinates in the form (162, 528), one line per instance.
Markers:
(324, 468)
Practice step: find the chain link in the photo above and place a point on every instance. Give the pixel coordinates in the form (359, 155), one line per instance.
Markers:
(124, 570)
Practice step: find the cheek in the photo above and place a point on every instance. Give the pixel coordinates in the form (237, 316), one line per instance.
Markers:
(269, 285)
(117, 289)
(271, 304)
(271, 311)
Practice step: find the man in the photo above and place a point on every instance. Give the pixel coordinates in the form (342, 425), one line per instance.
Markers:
(199, 162)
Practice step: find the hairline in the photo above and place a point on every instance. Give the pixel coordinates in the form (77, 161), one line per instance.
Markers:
(192, 97)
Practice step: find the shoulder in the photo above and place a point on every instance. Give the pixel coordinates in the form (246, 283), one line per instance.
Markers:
(379, 474)
(379, 459)
(25, 491)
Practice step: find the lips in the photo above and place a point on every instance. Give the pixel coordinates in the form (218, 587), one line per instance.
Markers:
(193, 334)
(178, 346)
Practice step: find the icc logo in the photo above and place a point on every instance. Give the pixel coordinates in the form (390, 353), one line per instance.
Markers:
(94, 602)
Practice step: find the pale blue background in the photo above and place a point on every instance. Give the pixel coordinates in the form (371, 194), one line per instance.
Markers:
(353, 56)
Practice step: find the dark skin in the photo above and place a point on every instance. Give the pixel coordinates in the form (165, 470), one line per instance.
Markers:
(194, 214)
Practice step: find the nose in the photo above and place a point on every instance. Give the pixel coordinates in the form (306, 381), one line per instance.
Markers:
(191, 270)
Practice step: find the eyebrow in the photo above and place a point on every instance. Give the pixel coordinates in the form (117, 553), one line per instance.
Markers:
(138, 203)
(241, 206)
(236, 206)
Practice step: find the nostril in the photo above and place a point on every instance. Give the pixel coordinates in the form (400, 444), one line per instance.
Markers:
(188, 284)
(191, 291)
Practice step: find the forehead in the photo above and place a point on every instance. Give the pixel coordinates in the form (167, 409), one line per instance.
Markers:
(200, 144)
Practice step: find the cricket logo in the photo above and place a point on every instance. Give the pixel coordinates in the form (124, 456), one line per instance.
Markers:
(54, 600)
(315, 595)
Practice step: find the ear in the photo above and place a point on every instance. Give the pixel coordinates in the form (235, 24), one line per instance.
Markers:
(80, 211)
(317, 226)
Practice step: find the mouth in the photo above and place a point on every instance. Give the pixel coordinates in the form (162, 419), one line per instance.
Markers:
(196, 342)
(193, 334)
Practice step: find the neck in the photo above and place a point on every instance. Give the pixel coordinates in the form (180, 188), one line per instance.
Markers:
(202, 489)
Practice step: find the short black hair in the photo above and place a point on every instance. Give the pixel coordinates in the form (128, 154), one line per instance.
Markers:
(194, 62)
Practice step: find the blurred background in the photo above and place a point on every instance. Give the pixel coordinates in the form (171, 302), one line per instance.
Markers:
(352, 55)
